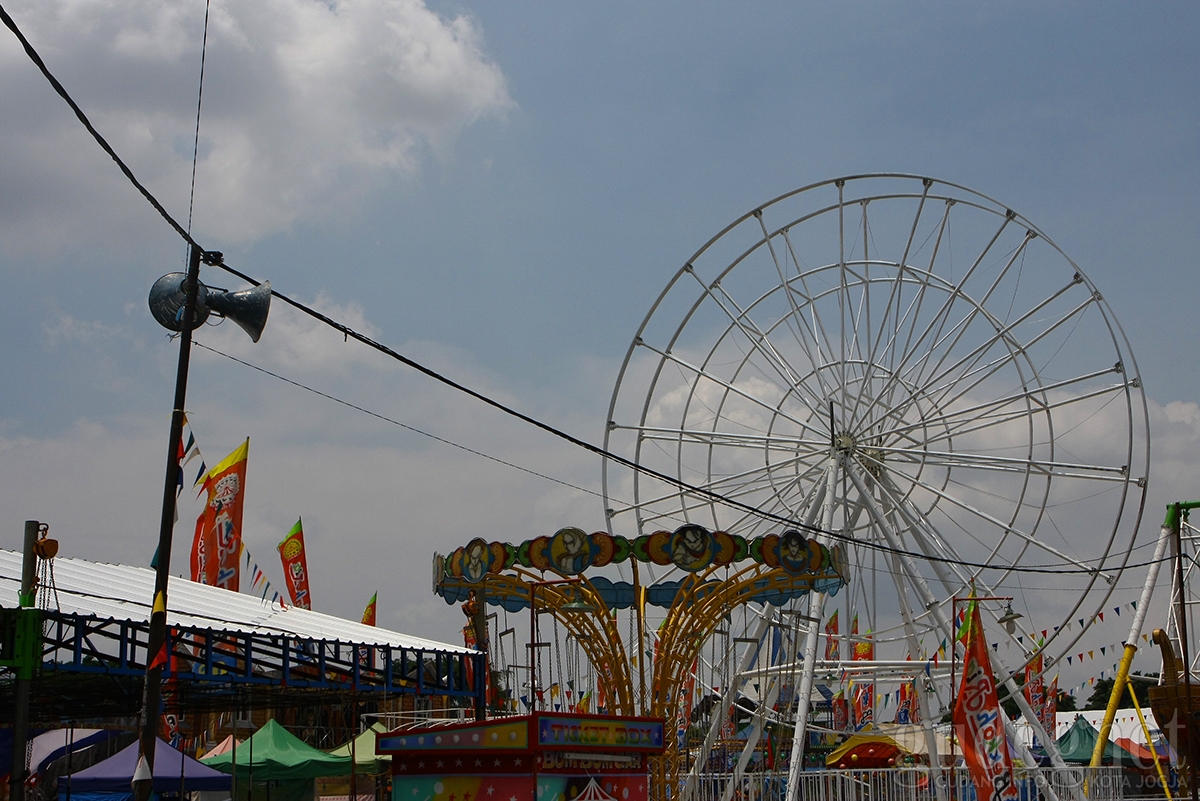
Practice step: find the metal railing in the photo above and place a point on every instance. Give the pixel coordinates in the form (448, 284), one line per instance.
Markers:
(912, 784)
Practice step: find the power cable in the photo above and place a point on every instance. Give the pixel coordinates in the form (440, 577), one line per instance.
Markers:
(100, 140)
(387, 419)
(199, 103)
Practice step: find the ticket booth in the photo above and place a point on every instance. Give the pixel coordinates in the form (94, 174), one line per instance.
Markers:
(546, 756)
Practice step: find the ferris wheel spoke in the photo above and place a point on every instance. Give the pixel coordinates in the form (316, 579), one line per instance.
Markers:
(754, 441)
(816, 327)
(799, 334)
(935, 329)
(1004, 464)
(733, 388)
(943, 559)
(971, 419)
(888, 335)
(1002, 526)
(754, 334)
(894, 542)
(860, 316)
(975, 373)
(914, 311)
(1002, 421)
(746, 484)
(977, 308)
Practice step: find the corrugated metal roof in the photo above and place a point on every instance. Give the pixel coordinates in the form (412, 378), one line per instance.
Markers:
(122, 592)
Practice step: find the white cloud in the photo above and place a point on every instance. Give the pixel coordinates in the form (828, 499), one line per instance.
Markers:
(308, 105)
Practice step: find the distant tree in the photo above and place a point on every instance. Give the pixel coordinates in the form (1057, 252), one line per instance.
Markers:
(1007, 702)
(1104, 687)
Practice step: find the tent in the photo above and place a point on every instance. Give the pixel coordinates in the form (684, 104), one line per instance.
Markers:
(365, 758)
(1078, 742)
(274, 754)
(47, 747)
(1142, 752)
(911, 738)
(111, 779)
(222, 747)
(865, 751)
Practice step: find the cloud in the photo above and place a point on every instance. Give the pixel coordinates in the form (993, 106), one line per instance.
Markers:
(308, 106)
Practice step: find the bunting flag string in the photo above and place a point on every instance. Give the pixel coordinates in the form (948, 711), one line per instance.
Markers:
(258, 579)
(188, 451)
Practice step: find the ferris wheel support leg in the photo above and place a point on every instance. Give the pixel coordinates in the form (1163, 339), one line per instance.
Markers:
(816, 609)
(727, 699)
(931, 603)
(910, 633)
(766, 702)
(1135, 631)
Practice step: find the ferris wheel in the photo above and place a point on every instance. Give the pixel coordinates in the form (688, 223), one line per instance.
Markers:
(906, 368)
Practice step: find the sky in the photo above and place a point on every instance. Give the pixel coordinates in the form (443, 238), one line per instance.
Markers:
(500, 191)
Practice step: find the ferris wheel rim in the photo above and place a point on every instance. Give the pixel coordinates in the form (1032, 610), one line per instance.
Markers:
(1129, 506)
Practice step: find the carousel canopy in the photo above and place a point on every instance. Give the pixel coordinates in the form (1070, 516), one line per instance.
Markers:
(865, 751)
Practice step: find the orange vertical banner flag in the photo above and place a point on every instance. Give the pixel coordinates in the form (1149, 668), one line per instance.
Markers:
(978, 720)
(1035, 689)
(217, 546)
(295, 566)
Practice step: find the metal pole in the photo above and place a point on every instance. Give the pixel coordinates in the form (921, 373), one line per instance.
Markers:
(26, 600)
(1190, 722)
(1135, 630)
(479, 621)
(639, 607)
(533, 645)
(152, 690)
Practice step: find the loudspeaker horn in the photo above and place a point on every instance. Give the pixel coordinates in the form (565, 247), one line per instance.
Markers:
(246, 307)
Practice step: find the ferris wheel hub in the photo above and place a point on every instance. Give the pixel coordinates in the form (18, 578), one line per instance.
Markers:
(844, 443)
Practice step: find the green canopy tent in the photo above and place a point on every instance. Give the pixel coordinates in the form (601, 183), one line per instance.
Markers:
(365, 758)
(1078, 742)
(280, 765)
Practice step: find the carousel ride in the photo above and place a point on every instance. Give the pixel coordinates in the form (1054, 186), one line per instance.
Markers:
(850, 409)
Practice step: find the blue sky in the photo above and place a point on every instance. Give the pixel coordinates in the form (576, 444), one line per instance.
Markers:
(500, 190)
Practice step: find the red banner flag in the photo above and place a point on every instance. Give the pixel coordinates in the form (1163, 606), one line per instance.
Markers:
(1050, 710)
(841, 711)
(831, 637)
(295, 566)
(217, 545)
(978, 720)
(368, 618)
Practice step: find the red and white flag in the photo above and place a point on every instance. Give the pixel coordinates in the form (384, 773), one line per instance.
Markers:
(295, 566)
(979, 722)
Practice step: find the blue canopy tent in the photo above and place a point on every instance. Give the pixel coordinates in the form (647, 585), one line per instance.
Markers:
(111, 780)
